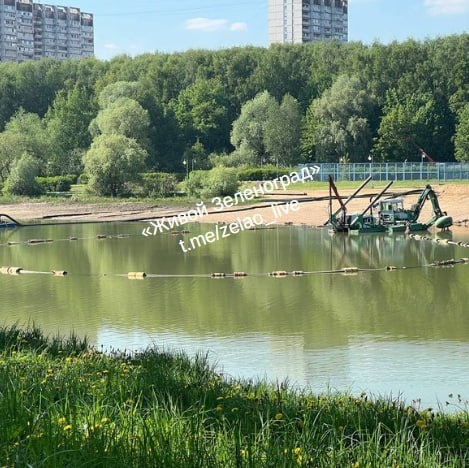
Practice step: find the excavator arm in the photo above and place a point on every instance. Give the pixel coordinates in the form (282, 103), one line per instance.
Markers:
(439, 217)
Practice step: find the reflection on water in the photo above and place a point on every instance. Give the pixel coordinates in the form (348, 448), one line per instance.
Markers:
(403, 331)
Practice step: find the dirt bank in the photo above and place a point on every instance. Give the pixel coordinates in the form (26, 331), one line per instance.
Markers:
(454, 199)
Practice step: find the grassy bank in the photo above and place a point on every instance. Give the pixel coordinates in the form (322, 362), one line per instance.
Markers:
(63, 403)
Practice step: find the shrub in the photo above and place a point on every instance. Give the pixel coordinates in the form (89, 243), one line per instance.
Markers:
(22, 178)
(157, 184)
(262, 173)
(83, 178)
(113, 162)
(219, 181)
(195, 183)
(56, 183)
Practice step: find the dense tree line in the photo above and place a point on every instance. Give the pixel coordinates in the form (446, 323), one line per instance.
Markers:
(241, 106)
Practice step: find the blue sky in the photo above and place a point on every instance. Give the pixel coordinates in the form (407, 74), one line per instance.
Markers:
(140, 26)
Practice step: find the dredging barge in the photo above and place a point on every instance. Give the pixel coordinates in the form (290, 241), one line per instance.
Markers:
(392, 216)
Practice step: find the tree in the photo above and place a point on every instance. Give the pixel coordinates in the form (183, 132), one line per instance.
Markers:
(283, 131)
(461, 140)
(248, 131)
(201, 110)
(336, 125)
(112, 162)
(67, 124)
(22, 179)
(409, 123)
(24, 133)
(122, 117)
(118, 90)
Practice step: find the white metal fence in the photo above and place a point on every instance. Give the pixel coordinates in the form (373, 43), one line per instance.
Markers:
(392, 171)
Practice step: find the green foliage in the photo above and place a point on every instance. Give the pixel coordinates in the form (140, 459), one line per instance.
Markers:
(240, 157)
(250, 127)
(56, 183)
(22, 179)
(201, 110)
(262, 173)
(337, 123)
(67, 124)
(219, 181)
(122, 117)
(112, 162)
(461, 141)
(66, 404)
(83, 178)
(201, 94)
(283, 132)
(267, 132)
(24, 133)
(408, 124)
(157, 185)
(116, 91)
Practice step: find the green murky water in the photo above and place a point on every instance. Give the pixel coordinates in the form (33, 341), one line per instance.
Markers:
(401, 332)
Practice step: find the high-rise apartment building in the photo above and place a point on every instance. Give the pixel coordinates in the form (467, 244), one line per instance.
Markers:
(298, 21)
(31, 30)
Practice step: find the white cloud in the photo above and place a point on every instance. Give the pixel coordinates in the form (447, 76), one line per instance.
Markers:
(447, 7)
(235, 27)
(206, 24)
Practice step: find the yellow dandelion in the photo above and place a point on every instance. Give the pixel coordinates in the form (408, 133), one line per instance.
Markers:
(421, 423)
(104, 420)
(68, 427)
(297, 450)
(278, 416)
(61, 420)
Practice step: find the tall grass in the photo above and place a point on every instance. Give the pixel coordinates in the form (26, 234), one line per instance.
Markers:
(63, 403)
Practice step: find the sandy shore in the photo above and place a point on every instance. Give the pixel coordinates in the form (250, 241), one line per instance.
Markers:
(454, 199)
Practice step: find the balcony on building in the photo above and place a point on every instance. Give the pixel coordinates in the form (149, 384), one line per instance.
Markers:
(74, 14)
(24, 6)
(49, 13)
(87, 19)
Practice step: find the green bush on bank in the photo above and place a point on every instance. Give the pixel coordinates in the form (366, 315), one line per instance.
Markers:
(56, 183)
(262, 173)
(157, 185)
(22, 178)
(63, 403)
(217, 182)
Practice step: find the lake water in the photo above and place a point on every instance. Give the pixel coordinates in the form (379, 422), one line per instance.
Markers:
(403, 332)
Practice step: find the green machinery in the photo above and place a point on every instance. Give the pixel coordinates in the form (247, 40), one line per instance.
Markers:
(392, 216)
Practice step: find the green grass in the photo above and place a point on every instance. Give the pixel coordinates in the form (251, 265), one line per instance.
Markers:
(63, 403)
(413, 184)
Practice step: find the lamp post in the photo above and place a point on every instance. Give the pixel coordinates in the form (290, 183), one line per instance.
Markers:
(422, 157)
(184, 162)
(370, 158)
